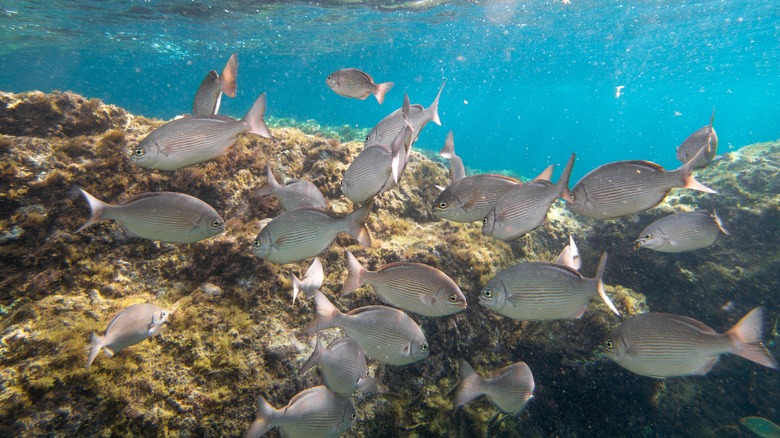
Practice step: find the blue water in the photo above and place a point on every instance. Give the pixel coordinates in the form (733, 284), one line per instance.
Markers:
(527, 82)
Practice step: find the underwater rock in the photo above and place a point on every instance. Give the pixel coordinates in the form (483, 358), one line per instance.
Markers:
(234, 333)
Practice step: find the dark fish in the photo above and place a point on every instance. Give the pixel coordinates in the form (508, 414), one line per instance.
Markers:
(509, 388)
(295, 193)
(413, 287)
(192, 140)
(312, 413)
(682, 232)
(387, 129)
(342, 366)
(351, 82)
(538, 291)
(163, 216)
(704, 137)
(665, 345)
(457, 171)
(209, 94)
(384, 334)
(523, 208)
(131, 326)
(623, 188)
(472, 197)
(311, 282)
(296, 235)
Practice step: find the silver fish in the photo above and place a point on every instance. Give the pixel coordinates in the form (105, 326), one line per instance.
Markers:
(624, 188)
(296, 235)
(472, 197)
(413, 287)
(665, 345)
(312, 413)
(295, 193)
(523, 208)
(209, 94)
(508, 388)
(682, 232)
(342, 366)
(384, 334)
(162, 216)
(387, 129)
(457, 171)
(704, 137)
(540, 291)
(351, 82)
(311, 282)
(131, 326)
(192, 140)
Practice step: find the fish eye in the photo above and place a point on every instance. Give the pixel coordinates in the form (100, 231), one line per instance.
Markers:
(646, 236)
(354, 415)
(366, 138)
(487, 293)
(257, 242)
(442, 205)
(216, 223)
(139, 152)
(163, 314)
(424, 348)
(484, 220)
(329, 78)
(454, 298)
(609, 345)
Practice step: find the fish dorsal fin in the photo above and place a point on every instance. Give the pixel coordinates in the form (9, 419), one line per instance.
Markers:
(694, 324)
(148, 195)
(546, 174)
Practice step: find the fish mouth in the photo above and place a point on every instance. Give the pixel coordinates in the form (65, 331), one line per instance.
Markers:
(638, 244)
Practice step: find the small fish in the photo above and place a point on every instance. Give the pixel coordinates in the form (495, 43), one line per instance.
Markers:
(760, 427)
(624, 188)
(413, 287)
(387, 129)
(540, 291)
(570, 256)
(457, 171)
(296, 235)
(162, 216)
(704, 137)
(192, 140)
(312, 413)
(384, 334)
(342, 366)
(209, 94)
(472, 197)
(351, 82)
(682, 232)
(666, 345)
(508, 388)
(131, 326)
(523, 208)
(311, 282)
(295, 193)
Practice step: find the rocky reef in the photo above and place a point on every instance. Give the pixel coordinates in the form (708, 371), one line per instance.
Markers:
(235, 332)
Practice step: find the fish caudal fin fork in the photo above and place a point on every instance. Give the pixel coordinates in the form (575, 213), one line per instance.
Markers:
(600, 284)
(746, 337)
(96, 206)
(254, 118)
(355, 272)
(97, 345)
(381, 90)
(327, 314)
(356, 224)
(470, 386)
(263, 420)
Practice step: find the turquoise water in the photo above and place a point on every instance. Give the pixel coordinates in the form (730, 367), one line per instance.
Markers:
(527, 82)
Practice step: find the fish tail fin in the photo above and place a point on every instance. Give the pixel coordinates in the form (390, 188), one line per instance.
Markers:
(434, 108)
(600, 283)
(312, 280)
(254, 118)
(746, 339)
(719, 223)
(297, 286)
(448, 150)
(470, 386)
(686, 173)
(563, 182)
(263, 419)
(96, 207)
(229, 74)
(97, 345)
(355, 272)
(368, 384)
(381, 89)
(327, 314)
(356, 224)
(314, 358)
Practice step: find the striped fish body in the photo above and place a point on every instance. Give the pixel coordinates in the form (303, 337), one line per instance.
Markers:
(508, 388)
(298, 193)
(209, 95)
(342, 365)
(472, 197)
(704, 136)
(351, 82)
(681, 232)
(521, 210)
(367, 174)
(388, 128)
(131, 326)
(538, 291)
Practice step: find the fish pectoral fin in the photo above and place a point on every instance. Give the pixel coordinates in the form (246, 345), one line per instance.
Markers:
(579, 312)
(515, 300)
(706, 367)
(427, 299)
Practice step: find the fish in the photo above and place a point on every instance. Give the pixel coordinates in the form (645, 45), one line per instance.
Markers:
(209, 94)
(385, 334)
(311, 282)
(570, 256)
(298, 234)
(295, 193)
(542, 291)
(760, 427)
(524, 207)
(413, 287)
(387, 129)
(312, 413)
(666, 345)
(351, 82)
(457, 171)
(509, 388)
(623, 188)
(682, 232)
(342, 366)
(129, 327)
(162, 216)
(704, 137)
(472, 197)
(188, 141)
